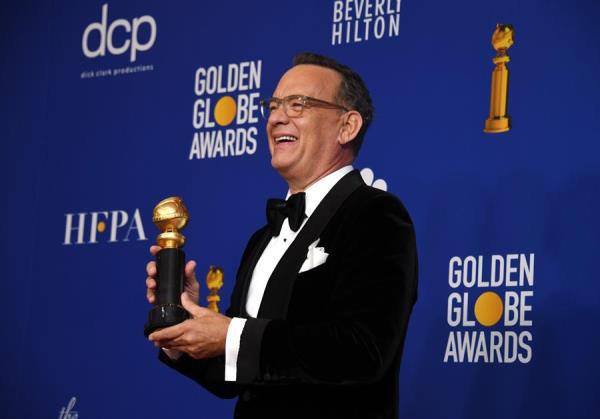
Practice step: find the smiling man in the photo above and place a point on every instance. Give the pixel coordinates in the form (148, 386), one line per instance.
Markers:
(324, 291)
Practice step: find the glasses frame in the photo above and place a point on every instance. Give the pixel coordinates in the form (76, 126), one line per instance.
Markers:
(307, 102)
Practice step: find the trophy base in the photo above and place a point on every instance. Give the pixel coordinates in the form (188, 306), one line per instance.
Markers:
(497, 125)
(164, 315)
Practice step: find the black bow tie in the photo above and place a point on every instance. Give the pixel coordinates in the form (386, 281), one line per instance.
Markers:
(279, 209)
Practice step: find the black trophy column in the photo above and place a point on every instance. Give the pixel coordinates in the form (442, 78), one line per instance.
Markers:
(170, 277)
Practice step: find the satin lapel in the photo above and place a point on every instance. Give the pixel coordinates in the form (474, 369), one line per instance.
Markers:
(248, 267)
(279, 289)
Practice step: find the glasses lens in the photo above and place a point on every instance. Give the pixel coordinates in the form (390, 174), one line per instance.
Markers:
(294, 105)
(265, 108)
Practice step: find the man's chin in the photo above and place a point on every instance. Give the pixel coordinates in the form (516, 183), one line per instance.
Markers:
(281, 165)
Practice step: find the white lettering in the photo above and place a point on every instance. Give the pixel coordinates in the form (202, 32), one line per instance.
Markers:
(495, 346)
(251, 139)
(394, 25)
(118, 219)
(470, 267)
(497, 266)
(466, 345)
(135, 45)
(510, 347)
(69, 228)
(451, 348)
(106, 34)
(240, 77)
(94, 224)
(379, 27)
(68, 412)
(454, 275)
(453, 312)
(510, 269)
(526, 269)
(502, 347)
(111, 48)
(136, 224)
(101, 28)
(511, 308)
(338, 5)
(524, 308)
(525, 336)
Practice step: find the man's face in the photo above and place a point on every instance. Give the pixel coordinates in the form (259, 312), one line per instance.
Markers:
(315, 149)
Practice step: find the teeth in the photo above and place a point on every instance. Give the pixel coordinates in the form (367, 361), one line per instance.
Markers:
(285, 138)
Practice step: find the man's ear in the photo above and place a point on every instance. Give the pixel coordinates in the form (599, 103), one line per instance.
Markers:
(351, 124)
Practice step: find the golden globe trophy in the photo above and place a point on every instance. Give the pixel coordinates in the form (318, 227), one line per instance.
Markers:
(499, 121)
(170, 216)
(214, 282)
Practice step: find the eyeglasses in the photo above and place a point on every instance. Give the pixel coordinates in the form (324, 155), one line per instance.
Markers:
(294, 105)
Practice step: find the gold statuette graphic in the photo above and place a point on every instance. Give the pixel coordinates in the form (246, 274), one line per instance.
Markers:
(499, 121)
(214, 282)
(170, 216)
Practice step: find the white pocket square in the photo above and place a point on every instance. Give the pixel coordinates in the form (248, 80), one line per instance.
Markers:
(314, 257)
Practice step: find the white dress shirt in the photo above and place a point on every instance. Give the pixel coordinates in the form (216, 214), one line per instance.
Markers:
(267, 263)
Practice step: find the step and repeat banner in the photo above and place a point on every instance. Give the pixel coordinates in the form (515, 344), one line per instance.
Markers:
(109, 107)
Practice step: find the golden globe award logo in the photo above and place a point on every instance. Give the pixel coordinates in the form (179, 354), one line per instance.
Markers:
(226, 110)
(498, 120)
(490, 309)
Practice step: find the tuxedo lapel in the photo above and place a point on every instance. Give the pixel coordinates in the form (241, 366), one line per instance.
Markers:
(279, 288)
(247, 267)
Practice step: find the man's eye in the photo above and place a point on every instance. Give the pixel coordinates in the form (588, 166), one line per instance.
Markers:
(296, 105)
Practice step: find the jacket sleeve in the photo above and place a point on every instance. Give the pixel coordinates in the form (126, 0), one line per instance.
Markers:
(375, 284)
(210, 373)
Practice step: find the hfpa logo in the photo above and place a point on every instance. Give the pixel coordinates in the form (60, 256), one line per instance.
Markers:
(107, 33)
(87, 225)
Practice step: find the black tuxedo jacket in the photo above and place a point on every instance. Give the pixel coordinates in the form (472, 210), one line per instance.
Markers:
(327, 342)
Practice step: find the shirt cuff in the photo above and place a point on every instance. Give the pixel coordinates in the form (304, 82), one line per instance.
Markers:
(232, 347)
(174, 354)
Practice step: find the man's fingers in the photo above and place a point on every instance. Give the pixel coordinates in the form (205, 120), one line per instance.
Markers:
(154, 249)
(150, 287)
(168, 333)
(190, 269)
(194, 309)
(151, 268)
(151, 271)
(150, 296)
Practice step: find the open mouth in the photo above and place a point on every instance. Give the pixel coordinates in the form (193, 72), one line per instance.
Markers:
(285, 139)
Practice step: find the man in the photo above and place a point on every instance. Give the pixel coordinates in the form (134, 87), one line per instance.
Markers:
(324, 292)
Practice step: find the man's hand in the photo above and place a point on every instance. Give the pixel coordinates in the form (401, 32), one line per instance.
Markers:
(191, 284)
(191, 287)
(202, 336)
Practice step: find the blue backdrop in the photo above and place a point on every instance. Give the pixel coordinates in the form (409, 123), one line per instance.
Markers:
(100, 122)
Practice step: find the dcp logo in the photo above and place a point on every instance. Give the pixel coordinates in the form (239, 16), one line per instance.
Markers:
(107, 36)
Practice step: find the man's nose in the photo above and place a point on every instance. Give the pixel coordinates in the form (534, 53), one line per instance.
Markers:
(278, 116)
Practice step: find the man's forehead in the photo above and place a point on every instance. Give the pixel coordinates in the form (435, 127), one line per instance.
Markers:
(310, 80)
